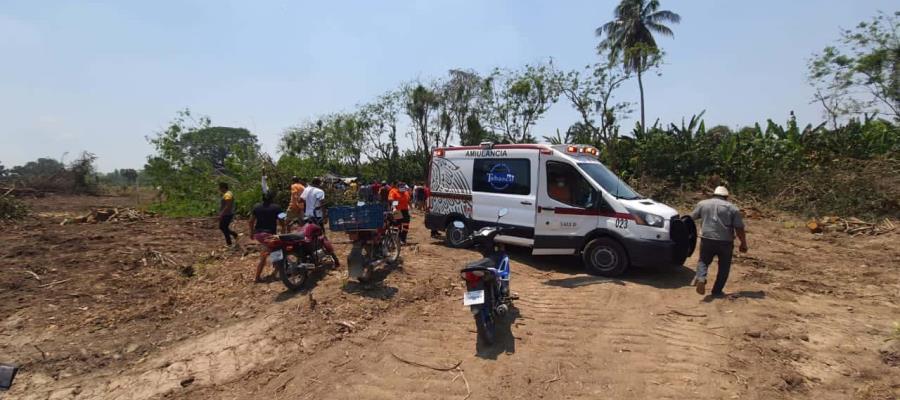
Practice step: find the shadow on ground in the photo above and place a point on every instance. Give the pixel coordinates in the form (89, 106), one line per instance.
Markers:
(310, 284)
(504, 341)
(658, 277)
(373, 290)
(744, 294)
(582, 280)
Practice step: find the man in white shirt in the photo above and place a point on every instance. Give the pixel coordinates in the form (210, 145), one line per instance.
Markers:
(315, 199)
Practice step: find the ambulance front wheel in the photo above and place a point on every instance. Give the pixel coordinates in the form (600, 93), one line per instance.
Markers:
(457, 236)
(605, 257)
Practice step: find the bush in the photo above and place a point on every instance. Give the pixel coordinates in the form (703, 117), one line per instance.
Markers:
(12, 208)
(851, 170)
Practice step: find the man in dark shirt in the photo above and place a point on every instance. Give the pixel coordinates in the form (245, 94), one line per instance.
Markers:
(264, 224)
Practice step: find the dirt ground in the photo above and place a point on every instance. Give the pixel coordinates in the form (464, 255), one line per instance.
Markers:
(158, 308)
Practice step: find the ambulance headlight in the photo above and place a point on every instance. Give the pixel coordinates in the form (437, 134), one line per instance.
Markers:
(645, 218)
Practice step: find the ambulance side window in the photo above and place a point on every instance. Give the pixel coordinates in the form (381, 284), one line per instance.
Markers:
(502, 175)
(566, 185)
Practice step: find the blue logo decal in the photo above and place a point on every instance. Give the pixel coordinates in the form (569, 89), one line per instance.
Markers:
(500, 177)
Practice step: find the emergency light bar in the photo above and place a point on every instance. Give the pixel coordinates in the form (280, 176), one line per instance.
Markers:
(585, 150)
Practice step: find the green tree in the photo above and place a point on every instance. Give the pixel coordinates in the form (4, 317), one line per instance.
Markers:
(629, 37)
(43, 167)
(421, 107)
(460, 103)
(191, 156)
(216, 144)
(861, 73)
(335, 141)
(514, 100)
(380, 122)
(591, 94)
(130, 175)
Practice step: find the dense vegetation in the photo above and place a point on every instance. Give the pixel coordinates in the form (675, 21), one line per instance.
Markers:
(846, 165)
(827, 168)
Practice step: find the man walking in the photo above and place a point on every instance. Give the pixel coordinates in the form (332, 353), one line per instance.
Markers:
(721, 221)
(314, 197)
(226, 213)
(263, 224)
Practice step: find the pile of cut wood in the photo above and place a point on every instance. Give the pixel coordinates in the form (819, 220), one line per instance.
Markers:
(114, 214)
(851, 226)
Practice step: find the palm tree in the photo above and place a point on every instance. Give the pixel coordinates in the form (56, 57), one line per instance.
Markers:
(630, 35)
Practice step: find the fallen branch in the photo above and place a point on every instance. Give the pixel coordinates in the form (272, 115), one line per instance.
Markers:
(554, 379)
(458, 363)
(684, 314)
(54, 283)
(463, 375)
(347, 324)
(33, 274)
(43, 354)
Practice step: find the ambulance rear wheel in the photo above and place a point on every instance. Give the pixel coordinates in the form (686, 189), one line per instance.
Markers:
(456, 237)
(604, 257)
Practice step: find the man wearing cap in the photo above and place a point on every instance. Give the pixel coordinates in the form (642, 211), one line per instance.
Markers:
(721, 221)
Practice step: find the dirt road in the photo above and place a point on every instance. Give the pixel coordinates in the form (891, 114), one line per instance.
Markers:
(806, 318)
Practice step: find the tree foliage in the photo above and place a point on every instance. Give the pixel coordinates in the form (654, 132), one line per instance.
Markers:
(515, 100)
(591, 93)
(192, 156)
(861, 73)
(629, 37)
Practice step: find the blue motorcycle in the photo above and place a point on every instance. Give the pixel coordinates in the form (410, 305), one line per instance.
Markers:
(487, 280)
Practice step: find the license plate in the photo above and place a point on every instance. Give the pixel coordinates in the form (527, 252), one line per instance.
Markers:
(276, 256)
(473, 297)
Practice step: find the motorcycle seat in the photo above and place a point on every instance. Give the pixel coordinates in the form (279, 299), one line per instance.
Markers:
(291, 237)
(483, 263)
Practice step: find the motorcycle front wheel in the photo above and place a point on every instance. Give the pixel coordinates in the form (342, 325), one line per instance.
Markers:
(293, 276)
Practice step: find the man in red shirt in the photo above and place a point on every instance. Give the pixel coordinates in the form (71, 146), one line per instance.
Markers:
(400, 194)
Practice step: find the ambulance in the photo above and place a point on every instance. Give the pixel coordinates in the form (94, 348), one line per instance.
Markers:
(560, 199)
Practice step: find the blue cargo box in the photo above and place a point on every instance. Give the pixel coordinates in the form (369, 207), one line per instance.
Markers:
(347, 218)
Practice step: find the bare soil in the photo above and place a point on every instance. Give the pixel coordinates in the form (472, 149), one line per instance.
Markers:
(105, 317)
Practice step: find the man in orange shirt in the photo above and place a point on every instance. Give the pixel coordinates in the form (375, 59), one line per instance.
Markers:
(296, 206)
(400, 194)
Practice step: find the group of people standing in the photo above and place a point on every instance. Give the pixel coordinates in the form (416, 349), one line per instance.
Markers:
(387, 194)
(379, 192)
(307, 202)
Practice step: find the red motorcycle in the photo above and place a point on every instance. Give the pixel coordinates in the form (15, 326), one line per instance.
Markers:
(294, 255)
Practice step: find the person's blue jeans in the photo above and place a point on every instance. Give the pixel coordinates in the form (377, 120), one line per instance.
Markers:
(720, 249)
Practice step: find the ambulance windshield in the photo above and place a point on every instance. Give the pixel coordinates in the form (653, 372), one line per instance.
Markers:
(609, 181)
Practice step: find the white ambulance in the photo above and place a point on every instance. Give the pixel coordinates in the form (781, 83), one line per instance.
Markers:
(561, 200)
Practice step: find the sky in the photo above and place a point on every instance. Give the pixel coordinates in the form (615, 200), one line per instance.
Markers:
(101, 76)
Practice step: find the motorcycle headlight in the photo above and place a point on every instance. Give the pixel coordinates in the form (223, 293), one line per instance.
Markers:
(648, 219)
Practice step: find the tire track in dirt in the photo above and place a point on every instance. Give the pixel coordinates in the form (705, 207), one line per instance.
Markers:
(596, 338)
(214, 358)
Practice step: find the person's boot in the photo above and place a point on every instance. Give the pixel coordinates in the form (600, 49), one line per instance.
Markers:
(700, 284)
